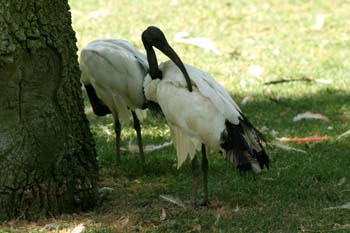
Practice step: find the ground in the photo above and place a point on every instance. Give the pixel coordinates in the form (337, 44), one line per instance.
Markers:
(260, 42)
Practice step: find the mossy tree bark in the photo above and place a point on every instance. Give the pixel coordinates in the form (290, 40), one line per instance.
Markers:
(47, 157)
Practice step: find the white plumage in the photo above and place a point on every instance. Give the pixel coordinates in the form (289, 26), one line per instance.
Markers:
(196, 117)
(113, 72)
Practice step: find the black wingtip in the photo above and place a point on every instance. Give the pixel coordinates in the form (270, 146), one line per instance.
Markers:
(262, 158)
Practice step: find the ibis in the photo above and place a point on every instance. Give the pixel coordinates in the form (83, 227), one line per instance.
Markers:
(113, 73)
(201, 114)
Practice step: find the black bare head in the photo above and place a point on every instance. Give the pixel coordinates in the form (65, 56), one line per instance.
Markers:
(153, 36)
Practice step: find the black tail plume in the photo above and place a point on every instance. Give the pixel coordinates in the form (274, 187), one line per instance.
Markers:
(243, 146)
(99, 108)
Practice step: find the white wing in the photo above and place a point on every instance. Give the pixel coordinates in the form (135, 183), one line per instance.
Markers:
(192, 117)
(207, 86)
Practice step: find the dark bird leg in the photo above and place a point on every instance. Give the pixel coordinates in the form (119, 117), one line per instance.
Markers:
(137, 127)
(195, 180)
(117, 129)
(205, 176)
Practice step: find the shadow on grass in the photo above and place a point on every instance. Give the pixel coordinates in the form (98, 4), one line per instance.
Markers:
(293, 193)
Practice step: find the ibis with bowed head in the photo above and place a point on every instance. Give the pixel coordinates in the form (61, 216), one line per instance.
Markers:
(201, 114)
(113, 73)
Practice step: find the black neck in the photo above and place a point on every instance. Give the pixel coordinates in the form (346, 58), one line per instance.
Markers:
(154, 70)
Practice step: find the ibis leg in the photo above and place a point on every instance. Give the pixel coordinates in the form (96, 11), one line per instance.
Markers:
(137, 128)
(195, 180)
(117, 129)
(205, 176)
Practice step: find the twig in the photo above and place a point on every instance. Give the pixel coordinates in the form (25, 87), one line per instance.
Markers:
(290, 80)
(304, 79)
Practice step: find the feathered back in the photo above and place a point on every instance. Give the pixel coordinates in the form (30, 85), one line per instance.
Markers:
(116, 71)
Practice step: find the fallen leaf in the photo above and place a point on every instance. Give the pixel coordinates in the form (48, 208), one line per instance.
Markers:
(250, 41)
(124, 221)
(78, 229)
(266, 6)
(217, 219)
(341, 181)
(149, 148)
(105, 130)
(287, 148)
(255, 70)
(303, 140)
(324, 81)
(173, 200)
(50, 226)
(319, 22)
(88, 109)
(196, 227)
(237, 209)
(310, 115)
(97, 14)
(202, 42)
(244, 53)
(174, 2)
(246, 100)
(163, 215)
(275, 52)
(345, 134)
(345, 206)
(340, 226)
(105, 191)
(268, 178)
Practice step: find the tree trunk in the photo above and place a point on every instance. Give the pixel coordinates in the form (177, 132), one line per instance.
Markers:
(47, 157)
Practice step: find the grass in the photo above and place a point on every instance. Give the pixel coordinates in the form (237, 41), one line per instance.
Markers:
(278, 37)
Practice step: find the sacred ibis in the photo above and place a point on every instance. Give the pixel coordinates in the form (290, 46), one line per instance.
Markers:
(202, 116)
(113, 72)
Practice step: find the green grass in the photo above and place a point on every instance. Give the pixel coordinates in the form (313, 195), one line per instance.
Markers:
(276, 35)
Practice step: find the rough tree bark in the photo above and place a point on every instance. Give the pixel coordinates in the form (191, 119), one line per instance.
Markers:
(47, 156)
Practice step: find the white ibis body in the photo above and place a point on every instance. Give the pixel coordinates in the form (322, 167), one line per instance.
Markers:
(203, 118)
(113, 72)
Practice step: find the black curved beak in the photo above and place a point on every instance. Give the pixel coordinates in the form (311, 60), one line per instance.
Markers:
(169, 52)
(153, 36)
